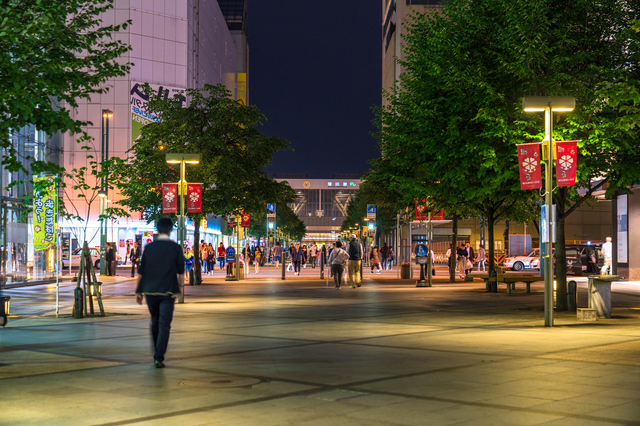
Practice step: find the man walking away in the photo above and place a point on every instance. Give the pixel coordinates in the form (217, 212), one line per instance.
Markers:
(136, 253)
(110, 259)
(160, 280)
(607, 252)
(355, 258)
(384, 256)
(277, 254)
(337, 259)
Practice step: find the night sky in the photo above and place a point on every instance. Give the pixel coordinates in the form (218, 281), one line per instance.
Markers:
(315, 72)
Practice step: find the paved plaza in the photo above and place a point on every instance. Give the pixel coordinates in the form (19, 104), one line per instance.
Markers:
(296, 352)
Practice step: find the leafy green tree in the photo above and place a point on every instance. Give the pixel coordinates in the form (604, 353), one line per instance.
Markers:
(54, 53)
(233, 154)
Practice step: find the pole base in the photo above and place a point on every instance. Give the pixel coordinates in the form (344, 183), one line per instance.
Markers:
(423, 283)
(230, 278)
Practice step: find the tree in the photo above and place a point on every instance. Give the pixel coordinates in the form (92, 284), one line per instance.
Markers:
(457, 112)
(54, 53)
(233, 154)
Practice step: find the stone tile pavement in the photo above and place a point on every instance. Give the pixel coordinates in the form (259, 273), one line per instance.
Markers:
(268, 352)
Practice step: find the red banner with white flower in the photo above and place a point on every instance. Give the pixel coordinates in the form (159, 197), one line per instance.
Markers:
(194, 197)
(169, 198)
(421, 210)
(529, 165)
(566, 162)
(246, 220)
(438, 215)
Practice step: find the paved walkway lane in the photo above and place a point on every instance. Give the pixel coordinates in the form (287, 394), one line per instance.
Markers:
(271, 352)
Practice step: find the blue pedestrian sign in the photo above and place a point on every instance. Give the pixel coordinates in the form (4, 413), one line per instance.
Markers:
(231, 255)
(421, 250)
(271, 207)
(371, 211)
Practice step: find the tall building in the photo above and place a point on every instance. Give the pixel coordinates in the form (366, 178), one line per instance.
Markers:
(176, 45)
(235, 14)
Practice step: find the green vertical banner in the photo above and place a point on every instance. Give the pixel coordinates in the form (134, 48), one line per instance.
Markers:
(44, 212)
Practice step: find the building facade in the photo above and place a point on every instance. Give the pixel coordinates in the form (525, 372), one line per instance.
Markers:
(176, 45)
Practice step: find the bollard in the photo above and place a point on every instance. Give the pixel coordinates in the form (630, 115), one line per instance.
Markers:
(573, 296)
(284, 262)
(78, 303)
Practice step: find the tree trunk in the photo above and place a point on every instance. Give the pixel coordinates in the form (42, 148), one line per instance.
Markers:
(490, 240)
(454, 246)
(197, 267)
(560, 266)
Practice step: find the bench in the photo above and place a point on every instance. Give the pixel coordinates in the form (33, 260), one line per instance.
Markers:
(509, 279)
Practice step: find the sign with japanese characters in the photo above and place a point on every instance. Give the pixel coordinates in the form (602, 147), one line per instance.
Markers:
(529, 165)
(44, 213)
(246, 220)
(169, 198)
(421, 210)
(194, 197)
(566, 162)
(139, 115)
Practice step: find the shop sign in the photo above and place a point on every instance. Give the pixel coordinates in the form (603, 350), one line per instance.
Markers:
(169, 198)
(44, 213)
(529, 165)
(566, 162)
(194, 197)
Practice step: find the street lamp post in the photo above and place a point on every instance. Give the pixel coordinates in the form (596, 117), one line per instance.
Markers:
(106, 115)
(183, 160)
(548, 104)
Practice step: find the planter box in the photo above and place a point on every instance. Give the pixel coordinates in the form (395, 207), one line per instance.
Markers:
(405, 272)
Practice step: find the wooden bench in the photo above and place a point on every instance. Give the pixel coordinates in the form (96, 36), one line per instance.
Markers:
(509, 279)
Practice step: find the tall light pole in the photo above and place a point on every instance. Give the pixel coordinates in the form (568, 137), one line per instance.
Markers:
(183, 160)
(104, 190)
(548, 104)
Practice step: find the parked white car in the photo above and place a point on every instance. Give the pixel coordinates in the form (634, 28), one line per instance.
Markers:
(75, 258)
(518, 263)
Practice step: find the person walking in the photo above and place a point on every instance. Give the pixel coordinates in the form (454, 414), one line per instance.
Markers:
(462, 260)
(188, 263)
(355, 259)
(127, 253)
(337, 259)
(296, 258)
(257, 259)
(392, 258)
(374, 260)
(211, 259)
(160, 279)
(384, 255)
(277, 254)
(136, 254)
(305, 256)
(470, 259)
(222, 253)
(482, 257)
(607, 252)
(246, 253)
(313, 256)
(110, 259)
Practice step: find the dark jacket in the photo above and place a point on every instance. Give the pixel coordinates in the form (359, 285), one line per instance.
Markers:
(159, 268)
(470, 253)
(461, 251)
(355, 250)
(109, 257)
(297, 255)
(135, 254)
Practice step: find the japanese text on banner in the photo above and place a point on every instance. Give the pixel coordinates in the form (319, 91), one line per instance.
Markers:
(194, 198)
(44, 214)
(169, 198)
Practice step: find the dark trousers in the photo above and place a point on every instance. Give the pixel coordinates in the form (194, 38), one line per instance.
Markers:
(133, 268)
(296, 266)
(337, 271)
(161, 309)
(210, 265)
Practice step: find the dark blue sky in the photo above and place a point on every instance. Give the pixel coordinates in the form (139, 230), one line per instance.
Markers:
(315, 72)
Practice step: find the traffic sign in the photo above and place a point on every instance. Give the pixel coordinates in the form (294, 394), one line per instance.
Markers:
(231, 255)
(421, 250)
(271, 208)
(371, 211)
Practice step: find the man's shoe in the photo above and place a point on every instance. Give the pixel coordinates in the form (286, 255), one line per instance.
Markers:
(159, 364)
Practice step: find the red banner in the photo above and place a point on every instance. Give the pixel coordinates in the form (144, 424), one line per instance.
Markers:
(169, 198)
(194, 197)
(421, 211)
(566, 162)
(529, 164)
(246, 220)
(438, 215)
